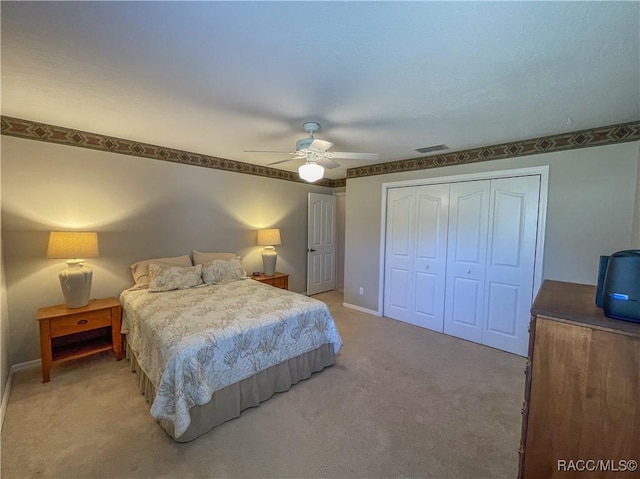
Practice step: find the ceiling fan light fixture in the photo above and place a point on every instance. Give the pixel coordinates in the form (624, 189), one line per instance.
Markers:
(311, 171)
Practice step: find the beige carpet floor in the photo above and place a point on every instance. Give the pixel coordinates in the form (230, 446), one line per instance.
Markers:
(400, 401)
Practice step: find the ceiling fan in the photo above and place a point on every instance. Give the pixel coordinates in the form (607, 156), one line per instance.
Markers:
(314, 151)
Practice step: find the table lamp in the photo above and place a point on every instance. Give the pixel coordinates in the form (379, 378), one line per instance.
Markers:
(269, 238)
(75, 280)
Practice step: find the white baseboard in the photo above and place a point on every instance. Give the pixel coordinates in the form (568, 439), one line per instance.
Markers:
(5, 399)
(7, 390)
(36, 363)
(360, 308)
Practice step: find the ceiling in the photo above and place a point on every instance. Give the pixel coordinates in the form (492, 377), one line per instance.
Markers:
(218, 78)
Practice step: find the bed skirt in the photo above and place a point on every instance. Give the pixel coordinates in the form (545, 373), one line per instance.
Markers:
(229, 402)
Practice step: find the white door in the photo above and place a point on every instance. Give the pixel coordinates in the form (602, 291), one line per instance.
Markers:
(466, 259)
(398, 289)
(430, 256)
(321, 243)
(416, 254)
(510, 262)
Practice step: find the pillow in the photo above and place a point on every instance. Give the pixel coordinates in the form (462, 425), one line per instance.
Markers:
(201, 258)
(168, 278)
(220, 271)
(140, 270)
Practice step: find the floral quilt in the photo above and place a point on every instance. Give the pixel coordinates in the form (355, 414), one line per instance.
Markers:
(191, 343)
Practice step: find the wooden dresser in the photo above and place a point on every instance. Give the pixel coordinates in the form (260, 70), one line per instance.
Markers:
(581, 415)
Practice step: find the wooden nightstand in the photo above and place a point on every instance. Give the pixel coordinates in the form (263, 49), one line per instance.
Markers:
(67, 334)
(279, 280)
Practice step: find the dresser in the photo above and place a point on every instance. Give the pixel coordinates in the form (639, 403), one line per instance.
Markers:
(581, 415)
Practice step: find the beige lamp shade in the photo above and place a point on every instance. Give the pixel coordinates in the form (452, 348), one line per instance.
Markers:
(72, 244)
(269, 237)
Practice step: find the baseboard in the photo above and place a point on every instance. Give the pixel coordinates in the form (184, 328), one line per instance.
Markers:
(360, 308)
(5, 399)
(7, 390)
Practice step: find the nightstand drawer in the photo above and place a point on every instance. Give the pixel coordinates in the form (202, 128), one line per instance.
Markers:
(277, 282)
(80, 322)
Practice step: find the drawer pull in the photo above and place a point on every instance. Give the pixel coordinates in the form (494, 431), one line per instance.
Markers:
(83, 321)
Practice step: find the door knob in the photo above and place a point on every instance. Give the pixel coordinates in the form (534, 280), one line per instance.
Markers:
(311, 250)
(426, 267)
(468, 271)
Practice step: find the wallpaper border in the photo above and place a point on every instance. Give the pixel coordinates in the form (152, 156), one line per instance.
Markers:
(605, 135)
(33, 130)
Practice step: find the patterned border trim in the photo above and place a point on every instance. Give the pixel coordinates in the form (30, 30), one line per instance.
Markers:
(566, 141)
(605, 135)
(66, 136)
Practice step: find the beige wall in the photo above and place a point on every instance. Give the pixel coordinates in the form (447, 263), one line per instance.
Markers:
(635, 239)
(4, 330)
(142, 209)
(590, 213)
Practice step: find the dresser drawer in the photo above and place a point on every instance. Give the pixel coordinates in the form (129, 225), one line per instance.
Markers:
(80, 322)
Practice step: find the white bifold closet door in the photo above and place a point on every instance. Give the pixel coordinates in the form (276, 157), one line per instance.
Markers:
(466, 258)
(460, 258)
(416, 254)
(511, 252)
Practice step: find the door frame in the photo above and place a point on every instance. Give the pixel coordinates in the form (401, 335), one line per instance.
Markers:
(542, 171)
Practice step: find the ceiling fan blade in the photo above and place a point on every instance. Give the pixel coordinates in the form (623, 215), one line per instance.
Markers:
(327, 163)
(281, 161)
(345, 155)
(320, 145)
(268, 151)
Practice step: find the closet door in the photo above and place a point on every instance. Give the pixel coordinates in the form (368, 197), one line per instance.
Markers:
(466, 259)
(430, 257)
(510, 262)
(398, 287)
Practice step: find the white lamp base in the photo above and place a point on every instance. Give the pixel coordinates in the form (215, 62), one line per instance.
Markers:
(269, 258)
(76, 283)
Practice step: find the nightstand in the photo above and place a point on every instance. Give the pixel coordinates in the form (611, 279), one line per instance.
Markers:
(67, 334)
(279, 280)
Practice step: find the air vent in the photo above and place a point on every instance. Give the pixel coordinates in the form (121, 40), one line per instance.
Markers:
(429, 149)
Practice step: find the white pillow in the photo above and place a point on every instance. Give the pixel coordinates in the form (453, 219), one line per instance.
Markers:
(167, 278)
(140, 270)
(220, 271)
(200, 257)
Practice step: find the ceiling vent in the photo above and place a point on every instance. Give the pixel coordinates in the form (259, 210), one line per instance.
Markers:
(430, 149)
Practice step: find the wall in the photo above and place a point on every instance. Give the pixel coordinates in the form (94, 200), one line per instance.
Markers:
(341, 205)
(590, 213)
(141, 209)
(4, 330)
(635, 238)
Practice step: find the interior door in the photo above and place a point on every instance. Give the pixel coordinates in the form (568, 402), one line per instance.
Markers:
(510, 262)
(400, 232)
(321, 243)
(466, 259)
(430, 256)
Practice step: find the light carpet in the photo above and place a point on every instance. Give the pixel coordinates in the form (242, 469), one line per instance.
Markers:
(400, 401)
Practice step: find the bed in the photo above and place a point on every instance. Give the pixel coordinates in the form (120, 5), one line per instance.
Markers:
(203, 354)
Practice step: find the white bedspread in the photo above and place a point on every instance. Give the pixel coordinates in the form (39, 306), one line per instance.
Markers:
(192, 343)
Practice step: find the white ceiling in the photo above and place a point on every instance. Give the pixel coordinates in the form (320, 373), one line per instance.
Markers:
(220, 77)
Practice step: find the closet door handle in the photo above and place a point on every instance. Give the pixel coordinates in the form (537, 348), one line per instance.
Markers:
(426, 267)
(468, 271)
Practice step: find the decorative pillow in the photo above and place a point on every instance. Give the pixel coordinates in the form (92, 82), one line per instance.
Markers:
(220, 271)
(140, 270)
(200, 257)
(167, 278)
